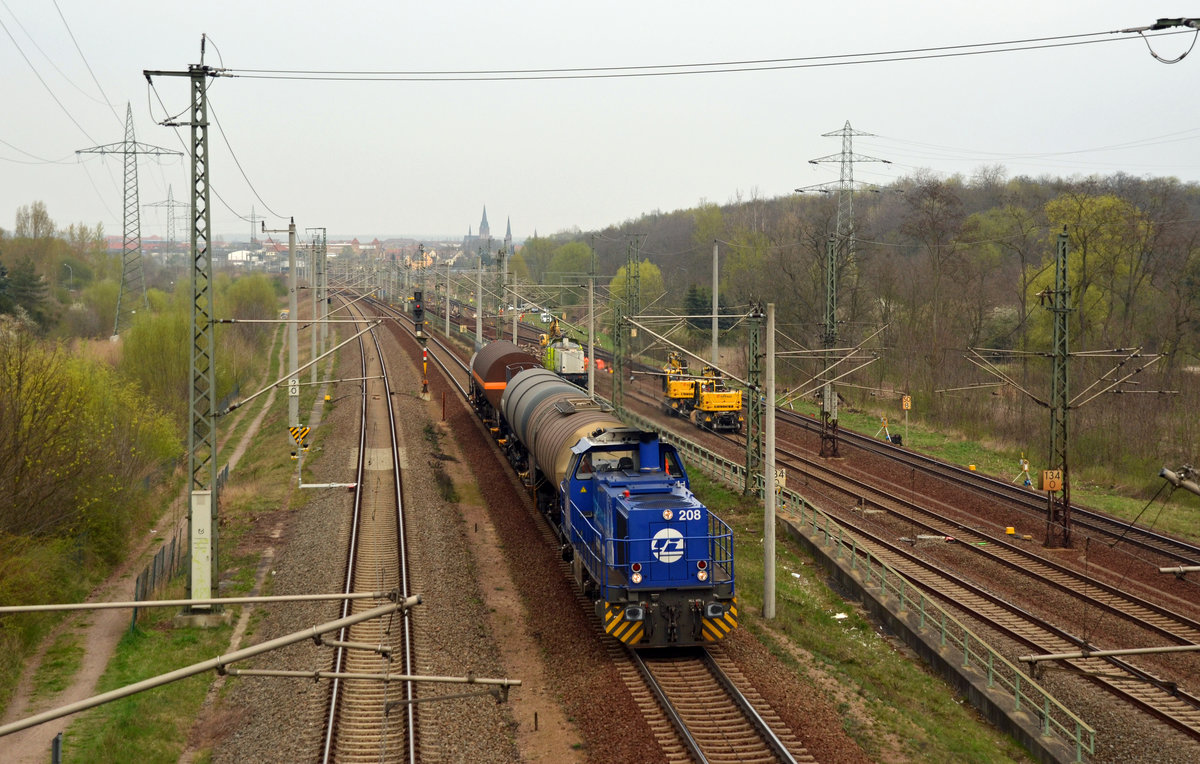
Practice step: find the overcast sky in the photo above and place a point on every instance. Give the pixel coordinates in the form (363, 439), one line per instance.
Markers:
(423, 158)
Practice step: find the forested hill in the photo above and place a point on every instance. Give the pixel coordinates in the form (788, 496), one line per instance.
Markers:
(938, 266)
(959, 262)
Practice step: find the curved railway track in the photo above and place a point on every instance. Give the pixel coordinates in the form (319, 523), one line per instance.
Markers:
(690, 701)
(369, 719)
(1168, 624)
(1156, 696)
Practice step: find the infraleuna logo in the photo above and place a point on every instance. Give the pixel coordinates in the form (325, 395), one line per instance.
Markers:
(667, 545)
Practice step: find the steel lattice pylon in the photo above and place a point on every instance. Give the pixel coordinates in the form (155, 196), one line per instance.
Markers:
(842, 241)
(619, 350)
(829, 415)
(755, 406)
(133, 278)
(171, 206)
(1058, 514)
(202, 442)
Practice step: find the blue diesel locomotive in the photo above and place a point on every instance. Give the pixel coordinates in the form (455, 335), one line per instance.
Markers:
(657, 563)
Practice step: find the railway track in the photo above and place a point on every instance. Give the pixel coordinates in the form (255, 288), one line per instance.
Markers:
(369, 719)
(1154, 695)
(717, 723)
(1166, 623)
(691, 702)
(1172, 550)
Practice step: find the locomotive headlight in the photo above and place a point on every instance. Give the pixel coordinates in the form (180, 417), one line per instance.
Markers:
(702, 575)
(668, 514)
(636, 578)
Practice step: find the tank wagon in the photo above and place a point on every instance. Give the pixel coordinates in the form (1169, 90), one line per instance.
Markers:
(657, 564)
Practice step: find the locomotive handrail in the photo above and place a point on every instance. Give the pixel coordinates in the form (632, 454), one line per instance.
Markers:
(1056, 719)
(720, 552)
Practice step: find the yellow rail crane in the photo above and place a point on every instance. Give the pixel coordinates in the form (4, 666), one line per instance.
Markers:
(705, 399)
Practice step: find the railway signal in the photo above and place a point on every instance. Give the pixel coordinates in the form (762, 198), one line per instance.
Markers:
(418, 311)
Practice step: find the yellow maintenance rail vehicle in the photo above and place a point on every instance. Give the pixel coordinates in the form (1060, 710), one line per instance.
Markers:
(705, 399)
(564, 356)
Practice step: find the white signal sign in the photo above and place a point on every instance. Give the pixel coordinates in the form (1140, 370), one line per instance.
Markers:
(293, 388)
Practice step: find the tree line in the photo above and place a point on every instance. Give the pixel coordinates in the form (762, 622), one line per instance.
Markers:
(92, 430)
(940, 265)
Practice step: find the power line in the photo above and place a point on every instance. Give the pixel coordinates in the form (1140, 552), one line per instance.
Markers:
(39, 159)
(85, 63)
(225, 138)
(49, 60)
(175, 130)
(37, 74)
(713, 67)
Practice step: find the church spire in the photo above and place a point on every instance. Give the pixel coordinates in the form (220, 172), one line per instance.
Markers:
(484, 229)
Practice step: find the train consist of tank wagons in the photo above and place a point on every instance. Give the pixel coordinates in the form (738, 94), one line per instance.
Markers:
(656, 562)
(564, 356)
(705, 399)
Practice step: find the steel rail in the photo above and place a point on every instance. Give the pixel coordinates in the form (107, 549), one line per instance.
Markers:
(348, 582)
(1180, 550)
(668, 708)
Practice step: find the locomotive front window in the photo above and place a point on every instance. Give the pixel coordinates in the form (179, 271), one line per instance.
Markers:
(609, 461)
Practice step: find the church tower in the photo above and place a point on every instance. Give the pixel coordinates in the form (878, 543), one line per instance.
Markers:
(484, 230)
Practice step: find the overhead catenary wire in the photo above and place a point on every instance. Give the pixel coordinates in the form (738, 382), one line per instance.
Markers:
(235, 213)
(711, 67)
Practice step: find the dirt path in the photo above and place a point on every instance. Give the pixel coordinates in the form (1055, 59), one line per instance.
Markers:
(101, 629)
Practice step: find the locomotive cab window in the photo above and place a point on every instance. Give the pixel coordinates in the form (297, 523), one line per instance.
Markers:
(671, 464)
(584, 470)
(611, 461)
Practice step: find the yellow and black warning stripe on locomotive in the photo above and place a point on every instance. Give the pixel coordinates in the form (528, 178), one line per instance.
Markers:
(629, 632)
(632, 632)
(719, 628)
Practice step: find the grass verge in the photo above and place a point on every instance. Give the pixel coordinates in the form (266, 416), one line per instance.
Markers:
(888, 701)
(151, 726)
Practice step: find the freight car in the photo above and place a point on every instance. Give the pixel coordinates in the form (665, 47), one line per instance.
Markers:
(657, 564)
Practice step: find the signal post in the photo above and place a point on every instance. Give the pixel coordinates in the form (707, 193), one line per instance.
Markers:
(419, 324)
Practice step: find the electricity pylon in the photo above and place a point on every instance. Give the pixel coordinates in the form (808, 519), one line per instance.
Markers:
(171, 206)
(203, 529)
(845, 244)
(132, 275)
